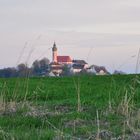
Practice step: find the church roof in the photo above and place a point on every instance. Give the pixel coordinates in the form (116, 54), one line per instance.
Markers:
(61, 59)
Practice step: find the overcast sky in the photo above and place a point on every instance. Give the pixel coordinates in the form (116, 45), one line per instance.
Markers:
(103, 32)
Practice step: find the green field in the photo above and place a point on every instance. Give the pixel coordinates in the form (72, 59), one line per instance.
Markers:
(70, 108)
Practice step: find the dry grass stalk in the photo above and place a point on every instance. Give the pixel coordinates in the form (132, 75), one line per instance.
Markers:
(138, 62)
(98, 127)
(77, 87)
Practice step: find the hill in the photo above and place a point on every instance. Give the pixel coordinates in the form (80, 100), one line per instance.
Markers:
(80, 107)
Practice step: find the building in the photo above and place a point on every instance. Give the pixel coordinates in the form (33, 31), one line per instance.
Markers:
(56, 68)
(78, 66)
(60, 59)
(58, 62)
(98, 70)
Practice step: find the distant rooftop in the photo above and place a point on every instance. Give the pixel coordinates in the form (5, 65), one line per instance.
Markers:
(82, 62)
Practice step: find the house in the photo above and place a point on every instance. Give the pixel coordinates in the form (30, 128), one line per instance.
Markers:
(81, 62)
(78, 66)
(98, 70)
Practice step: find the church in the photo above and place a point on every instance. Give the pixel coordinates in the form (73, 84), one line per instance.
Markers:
(58, 63)
(60, 59)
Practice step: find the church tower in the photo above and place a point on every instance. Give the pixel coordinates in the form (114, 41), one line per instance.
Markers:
(54, 53)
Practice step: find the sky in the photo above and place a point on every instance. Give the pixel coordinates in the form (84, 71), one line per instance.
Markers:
(102, 32)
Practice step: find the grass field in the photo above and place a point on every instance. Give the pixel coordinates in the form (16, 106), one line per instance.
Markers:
(70, 108)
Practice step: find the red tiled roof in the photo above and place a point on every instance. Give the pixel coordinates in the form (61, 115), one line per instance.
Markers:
(63, 59)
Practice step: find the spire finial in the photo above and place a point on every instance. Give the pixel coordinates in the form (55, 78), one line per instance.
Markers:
(54, 45)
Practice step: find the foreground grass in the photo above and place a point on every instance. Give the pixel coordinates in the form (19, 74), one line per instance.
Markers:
(84, 107)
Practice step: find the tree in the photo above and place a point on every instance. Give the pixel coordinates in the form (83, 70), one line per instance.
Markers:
(40, 66)
(36, 67)
(21, 67)
(44, 64)
(22, 70)
(8, 72)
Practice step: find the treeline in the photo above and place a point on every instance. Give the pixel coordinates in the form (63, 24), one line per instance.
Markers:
(38, 68)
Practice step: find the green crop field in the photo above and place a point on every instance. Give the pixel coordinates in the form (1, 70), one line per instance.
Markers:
(70, 108)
